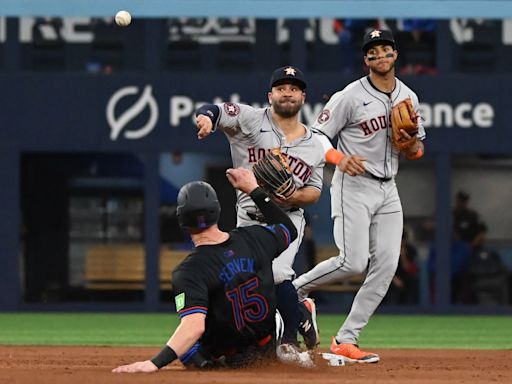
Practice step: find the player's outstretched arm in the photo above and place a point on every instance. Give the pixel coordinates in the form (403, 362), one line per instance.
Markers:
(301, 197)
(244, 180)
(185, 336)
(350, 164)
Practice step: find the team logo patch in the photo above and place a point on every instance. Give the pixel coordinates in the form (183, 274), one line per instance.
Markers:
(229, 253)
(231, 109)
(180, 301)
(201, 222)
(324, 116)
(375, 33)
(290, 71)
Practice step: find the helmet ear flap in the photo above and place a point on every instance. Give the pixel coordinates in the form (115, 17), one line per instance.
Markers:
(198, 206)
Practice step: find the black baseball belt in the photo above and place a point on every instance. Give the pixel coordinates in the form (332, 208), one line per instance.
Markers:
(369, 175)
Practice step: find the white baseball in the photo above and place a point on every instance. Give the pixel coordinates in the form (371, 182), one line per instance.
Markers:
(123, 18)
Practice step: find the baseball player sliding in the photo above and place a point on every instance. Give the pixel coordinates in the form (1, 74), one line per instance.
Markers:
(365, 204)
(224, 290)
(252, 133)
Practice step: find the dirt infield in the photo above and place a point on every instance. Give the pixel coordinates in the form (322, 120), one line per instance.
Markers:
(93, 364)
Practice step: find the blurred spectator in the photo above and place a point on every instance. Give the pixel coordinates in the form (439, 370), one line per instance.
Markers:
(350, 33)
(460, 253)
(487, 274)
(417, 46)
(405, 285)
(467, 242)
(466, 222)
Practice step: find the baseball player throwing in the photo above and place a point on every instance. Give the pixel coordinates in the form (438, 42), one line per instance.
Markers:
(365, 205)
(252, 133)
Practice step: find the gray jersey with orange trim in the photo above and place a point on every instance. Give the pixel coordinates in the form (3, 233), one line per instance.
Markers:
(366, 209)
(359, 116)
(252, 133)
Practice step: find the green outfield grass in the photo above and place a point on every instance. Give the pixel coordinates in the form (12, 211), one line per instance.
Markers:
(384, 331)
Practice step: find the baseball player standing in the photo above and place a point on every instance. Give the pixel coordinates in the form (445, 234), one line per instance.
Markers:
(224, 289)
(365, 204)
(252, 133)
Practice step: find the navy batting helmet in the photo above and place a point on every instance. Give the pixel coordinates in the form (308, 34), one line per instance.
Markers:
(198, 206)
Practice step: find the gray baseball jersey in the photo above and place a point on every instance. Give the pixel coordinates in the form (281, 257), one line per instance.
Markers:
(367, 212)
(359, 116)
(252, 133)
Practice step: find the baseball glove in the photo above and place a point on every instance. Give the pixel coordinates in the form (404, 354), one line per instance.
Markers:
(404, 117)
(274, 175)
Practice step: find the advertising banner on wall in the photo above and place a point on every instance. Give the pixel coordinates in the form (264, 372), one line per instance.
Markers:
(156, 113)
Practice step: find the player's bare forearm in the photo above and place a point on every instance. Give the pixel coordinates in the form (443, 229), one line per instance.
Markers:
(188, 332)
(302, 197)
(185, 336)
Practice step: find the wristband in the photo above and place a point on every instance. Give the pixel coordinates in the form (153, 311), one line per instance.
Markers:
(164, 357)
(333, 156)
(258, 193)
(417, 155)
(211, 111)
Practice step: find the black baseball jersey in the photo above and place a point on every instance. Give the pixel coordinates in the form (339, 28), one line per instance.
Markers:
(232, 284)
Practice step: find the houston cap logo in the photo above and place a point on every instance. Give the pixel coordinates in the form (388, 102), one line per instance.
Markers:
(290, 71)
(375, 34)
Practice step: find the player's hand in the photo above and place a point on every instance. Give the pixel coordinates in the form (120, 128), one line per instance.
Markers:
(292, 201)
(353, 165)
(205, 126)
(242, 179)
(404, 134)
(415, 146)
(140, 366)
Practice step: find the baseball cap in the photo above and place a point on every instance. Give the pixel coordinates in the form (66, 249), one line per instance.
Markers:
(377, 36)
(288, 75)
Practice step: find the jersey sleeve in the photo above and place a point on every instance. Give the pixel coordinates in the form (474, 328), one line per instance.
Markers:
(335, 115)
(317, 177)
(191, 291)
(282, 235)
(421, 129)
(317, 169)
(273, 239)
(235, 118)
